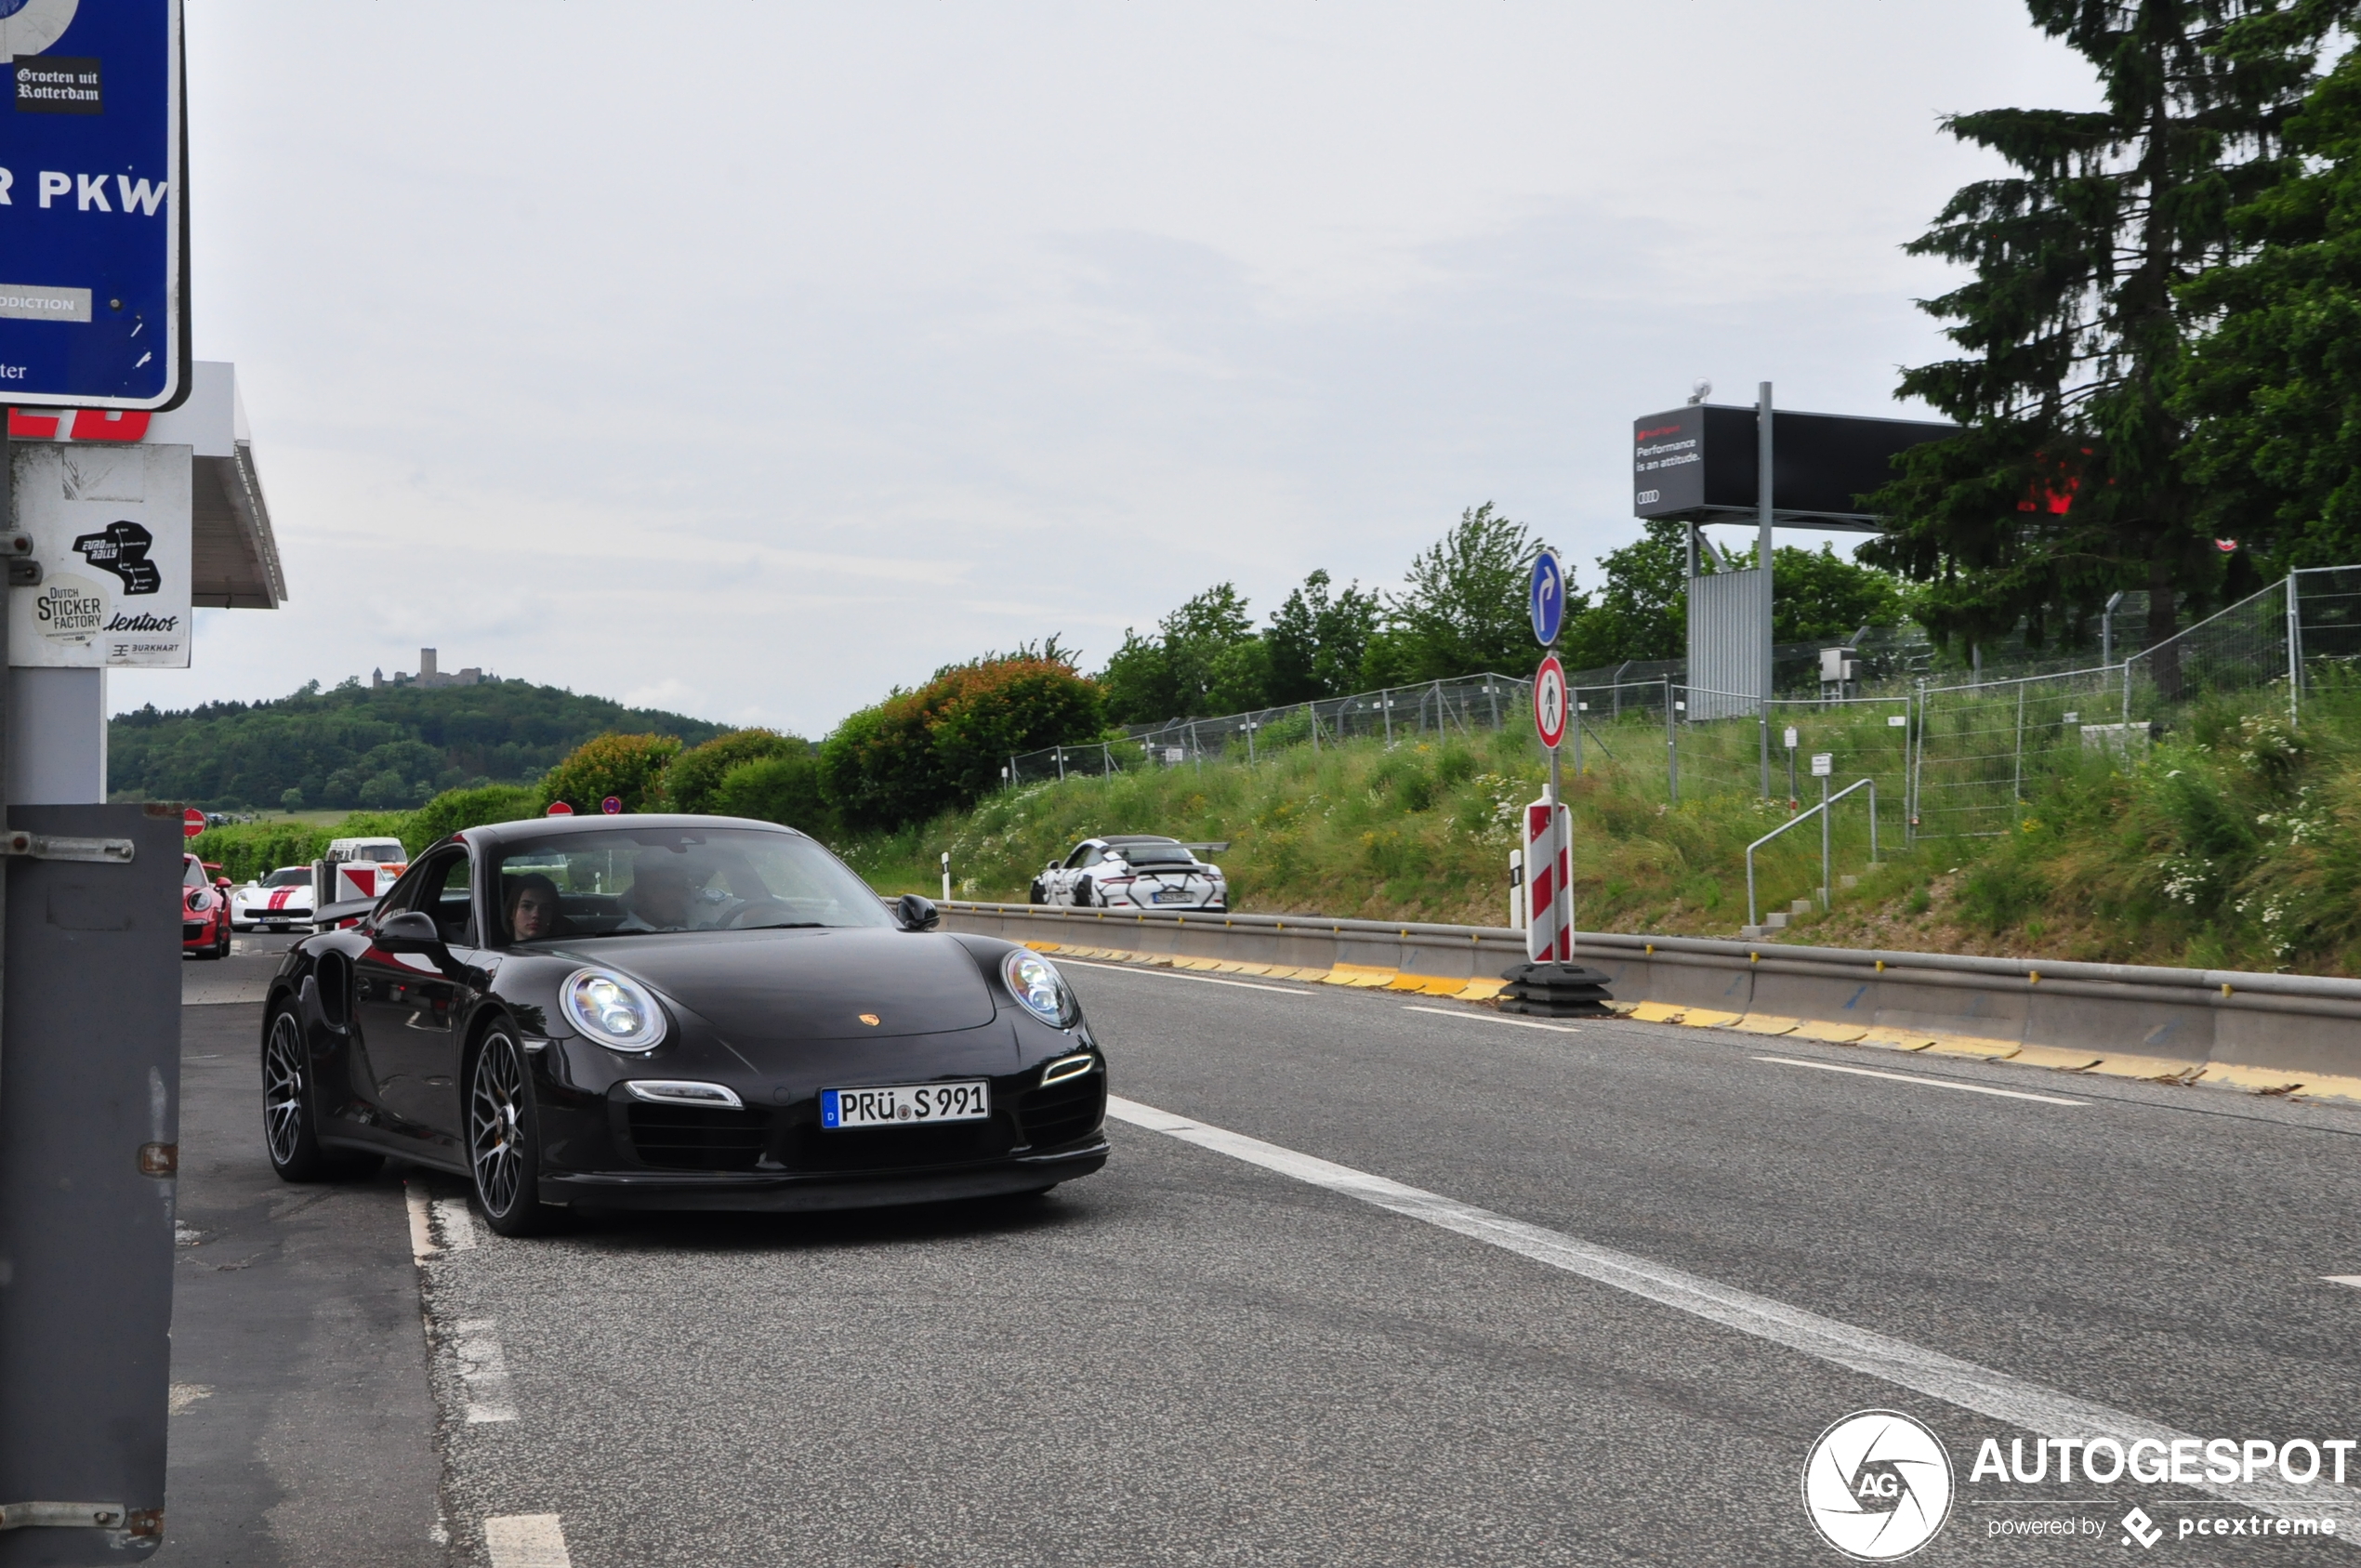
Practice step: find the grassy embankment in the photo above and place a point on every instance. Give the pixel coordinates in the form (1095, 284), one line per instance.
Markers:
(2235, 842)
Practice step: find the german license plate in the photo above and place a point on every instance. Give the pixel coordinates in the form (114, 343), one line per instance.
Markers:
(1182, 897)
(905, 1105)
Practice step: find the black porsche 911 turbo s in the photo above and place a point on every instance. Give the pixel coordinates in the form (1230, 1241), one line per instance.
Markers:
(674, 1012)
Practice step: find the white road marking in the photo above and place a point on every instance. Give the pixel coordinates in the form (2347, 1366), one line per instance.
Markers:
(1176, 974)
(1921, 1081)
(527, 1540)
(455, 1222)
(1483, 1017)
(422, 1245)
(2353, 1280)
(483, 1372)
(2032, 1406)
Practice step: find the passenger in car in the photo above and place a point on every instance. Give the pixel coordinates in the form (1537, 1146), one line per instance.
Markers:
(533, 908)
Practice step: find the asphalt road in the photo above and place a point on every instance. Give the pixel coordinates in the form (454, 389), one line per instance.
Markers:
(1218, 1352)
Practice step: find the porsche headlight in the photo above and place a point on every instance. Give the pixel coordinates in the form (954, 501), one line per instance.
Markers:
(616, 1012)
(1039, 988)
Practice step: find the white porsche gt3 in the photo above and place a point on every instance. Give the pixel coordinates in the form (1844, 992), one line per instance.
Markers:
(1133, 871)
(281, 901)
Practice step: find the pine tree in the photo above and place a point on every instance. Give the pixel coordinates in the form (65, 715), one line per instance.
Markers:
(2275, 386)
(2069, 479)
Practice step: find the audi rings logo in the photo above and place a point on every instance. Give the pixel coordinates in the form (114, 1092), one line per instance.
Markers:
(1877, 1485)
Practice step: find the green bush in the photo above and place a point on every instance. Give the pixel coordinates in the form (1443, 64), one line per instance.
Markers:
(457, 809)
(248, 851)
(780, 789)
(690, 783)
(943, 745)
(631, 768)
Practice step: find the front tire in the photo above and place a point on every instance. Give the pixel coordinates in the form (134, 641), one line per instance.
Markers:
(503, 1139)
(1082, 892)
(221, 947)
(290, 1111)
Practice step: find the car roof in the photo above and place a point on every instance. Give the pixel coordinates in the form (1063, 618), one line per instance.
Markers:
(491, 833)
(1138, 838)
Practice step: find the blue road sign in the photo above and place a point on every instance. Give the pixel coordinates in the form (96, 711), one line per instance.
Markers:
(1546, 597)
(93, 240)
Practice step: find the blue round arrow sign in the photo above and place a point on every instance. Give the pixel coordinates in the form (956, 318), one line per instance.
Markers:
(1547, 598)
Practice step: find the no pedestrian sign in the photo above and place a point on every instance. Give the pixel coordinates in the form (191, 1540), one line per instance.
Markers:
(1549, 701)
(93, 246)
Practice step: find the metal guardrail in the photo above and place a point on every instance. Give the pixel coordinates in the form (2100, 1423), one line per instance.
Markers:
(2180, 1018)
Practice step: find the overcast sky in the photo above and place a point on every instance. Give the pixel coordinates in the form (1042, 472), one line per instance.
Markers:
(751, 358)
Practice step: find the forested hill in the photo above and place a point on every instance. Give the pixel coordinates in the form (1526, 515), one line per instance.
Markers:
(380, 749)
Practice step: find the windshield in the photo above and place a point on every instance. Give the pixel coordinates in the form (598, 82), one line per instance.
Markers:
(192, 873)
(384, 854)
(290, 876)
(621, 882)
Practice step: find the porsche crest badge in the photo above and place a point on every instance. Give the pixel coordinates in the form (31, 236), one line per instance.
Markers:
(869, 1019)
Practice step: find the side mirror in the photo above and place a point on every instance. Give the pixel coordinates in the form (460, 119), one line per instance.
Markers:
(916, 913)
(221, 882)
(410, 931)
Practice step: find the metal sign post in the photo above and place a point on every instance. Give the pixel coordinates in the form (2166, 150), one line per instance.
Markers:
(1550, 982)
(94, 245)
(1549, 849)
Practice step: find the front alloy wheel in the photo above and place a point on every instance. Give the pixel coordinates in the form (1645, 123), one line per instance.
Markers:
(500, 1139)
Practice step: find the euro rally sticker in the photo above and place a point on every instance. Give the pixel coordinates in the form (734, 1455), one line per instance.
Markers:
(122, 548)
(70, 611)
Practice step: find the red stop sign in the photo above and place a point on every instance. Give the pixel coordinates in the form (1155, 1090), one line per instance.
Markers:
(191, 822)
(559, 808)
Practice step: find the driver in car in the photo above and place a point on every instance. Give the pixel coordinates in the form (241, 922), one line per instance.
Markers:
(659, 896)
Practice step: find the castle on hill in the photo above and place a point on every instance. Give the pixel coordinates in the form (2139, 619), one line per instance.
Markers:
(427, 675)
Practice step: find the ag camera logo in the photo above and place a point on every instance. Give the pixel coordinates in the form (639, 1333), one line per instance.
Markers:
(1877, 1485)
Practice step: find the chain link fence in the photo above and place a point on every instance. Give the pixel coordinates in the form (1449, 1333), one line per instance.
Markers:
(1952, 758)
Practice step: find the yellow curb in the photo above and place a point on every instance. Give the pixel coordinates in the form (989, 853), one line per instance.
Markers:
(1658, 1012)
(1700, 1019)
(1834, 1034)
(1404, 980)
(1197, 963)
(1044, 946)
(1364, 975)
(1767, 1024)
(2327, 1085)
(1972, 1044)
(1442, 985)
(2259, 1079)
(1481, 990)
(1895, 1039)
(2050, 1056)
(2147, 1067)
(1254, 969)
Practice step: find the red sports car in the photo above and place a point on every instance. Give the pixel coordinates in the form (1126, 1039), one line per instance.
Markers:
(205, 911)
